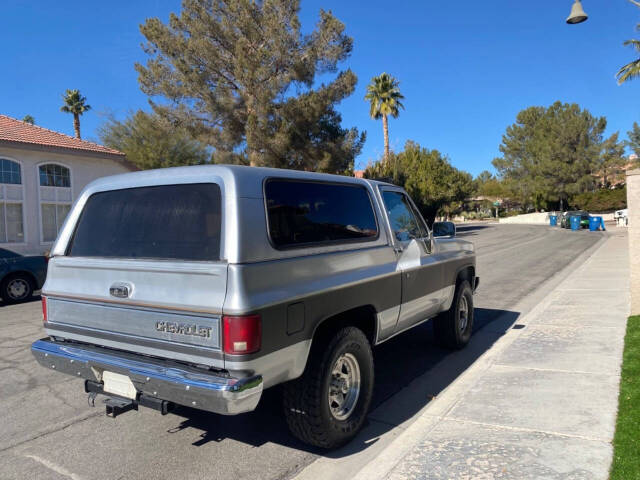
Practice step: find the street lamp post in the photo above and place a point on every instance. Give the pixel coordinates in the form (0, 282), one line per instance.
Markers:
(577, 14)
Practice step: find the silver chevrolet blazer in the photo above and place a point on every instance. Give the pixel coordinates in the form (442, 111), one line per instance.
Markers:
(201, 286)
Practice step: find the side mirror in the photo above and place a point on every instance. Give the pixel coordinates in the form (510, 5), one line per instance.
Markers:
(444, 229)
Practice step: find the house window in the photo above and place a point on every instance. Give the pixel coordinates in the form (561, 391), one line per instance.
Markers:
(55, 198)
(10, 172)
(53, 175)
(11, 197)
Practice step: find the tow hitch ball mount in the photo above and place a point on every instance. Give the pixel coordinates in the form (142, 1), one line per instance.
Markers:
(114, 406)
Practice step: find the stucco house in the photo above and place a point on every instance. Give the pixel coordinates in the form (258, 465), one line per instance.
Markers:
(41, 173)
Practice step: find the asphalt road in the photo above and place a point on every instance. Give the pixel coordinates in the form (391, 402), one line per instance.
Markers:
(48, 431)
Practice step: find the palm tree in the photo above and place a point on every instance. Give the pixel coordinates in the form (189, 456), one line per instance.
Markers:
(384, 95)
(29, 119)
(630, 70)
(75, 103)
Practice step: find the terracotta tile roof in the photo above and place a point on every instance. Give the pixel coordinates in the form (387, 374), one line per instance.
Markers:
(16, 131)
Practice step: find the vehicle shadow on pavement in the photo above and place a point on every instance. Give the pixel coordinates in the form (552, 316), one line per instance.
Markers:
(410, 369)
(469, 228)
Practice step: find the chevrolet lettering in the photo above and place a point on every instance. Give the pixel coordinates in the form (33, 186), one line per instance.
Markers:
(183, 329)
(204, 285)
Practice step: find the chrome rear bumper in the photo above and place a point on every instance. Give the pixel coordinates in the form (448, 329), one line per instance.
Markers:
(172, 382)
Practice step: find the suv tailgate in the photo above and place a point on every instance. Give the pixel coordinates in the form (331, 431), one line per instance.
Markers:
(142, 273)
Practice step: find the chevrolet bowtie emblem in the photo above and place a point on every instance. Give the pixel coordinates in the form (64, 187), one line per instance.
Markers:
(120, 290)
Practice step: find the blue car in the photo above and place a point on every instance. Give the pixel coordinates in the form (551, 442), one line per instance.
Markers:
(20, 275)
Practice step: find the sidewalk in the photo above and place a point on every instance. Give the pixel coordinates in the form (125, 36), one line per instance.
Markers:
(542, 402)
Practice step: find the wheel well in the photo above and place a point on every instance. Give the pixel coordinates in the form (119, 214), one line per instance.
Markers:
(468, 274)
(25, 273)
(363, 317)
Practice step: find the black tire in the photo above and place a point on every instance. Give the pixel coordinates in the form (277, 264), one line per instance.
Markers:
(306, 400)
(450, 329)
(16, 288)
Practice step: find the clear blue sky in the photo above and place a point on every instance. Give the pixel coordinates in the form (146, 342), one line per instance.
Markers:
(466, 67)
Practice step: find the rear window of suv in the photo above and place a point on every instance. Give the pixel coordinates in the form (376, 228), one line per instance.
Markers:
(180, 222)
(305, 213)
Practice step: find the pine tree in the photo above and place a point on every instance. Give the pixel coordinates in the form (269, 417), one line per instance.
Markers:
(634, 138)
(551, 153)
(240, 76)
(609, 165)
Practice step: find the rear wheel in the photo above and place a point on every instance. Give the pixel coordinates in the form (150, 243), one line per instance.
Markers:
(16, 288)
(328, 404)
(453, 328)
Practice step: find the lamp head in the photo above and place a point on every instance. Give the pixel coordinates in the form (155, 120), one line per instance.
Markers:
(577, 14)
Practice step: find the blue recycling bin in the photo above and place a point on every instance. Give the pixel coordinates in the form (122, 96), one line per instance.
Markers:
(553, 220)
(595, 223)
(575, 222)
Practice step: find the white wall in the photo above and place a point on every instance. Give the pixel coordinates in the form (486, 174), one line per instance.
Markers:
(542, 218)
(84, 169)
(528, 218)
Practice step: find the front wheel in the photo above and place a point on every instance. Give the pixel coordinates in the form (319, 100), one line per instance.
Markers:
(453, 328)
(328, 404)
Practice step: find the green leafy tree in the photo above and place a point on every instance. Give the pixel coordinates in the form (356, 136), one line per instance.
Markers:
(75, 104)
(29, 119)
(434, 184)
(494, 189)
(383, 94)
(632, 69)
(487, 185)
(550, 154)
(150, 141)
(241, 77)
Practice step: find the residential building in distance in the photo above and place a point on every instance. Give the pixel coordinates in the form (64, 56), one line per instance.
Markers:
(41, 173)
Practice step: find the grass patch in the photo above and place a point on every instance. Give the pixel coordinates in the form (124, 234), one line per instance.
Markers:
(626, 443)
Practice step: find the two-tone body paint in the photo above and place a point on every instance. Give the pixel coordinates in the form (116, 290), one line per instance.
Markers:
(403, 285)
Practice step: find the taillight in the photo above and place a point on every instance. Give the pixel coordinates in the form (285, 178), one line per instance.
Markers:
(242, 334)
(44, 309)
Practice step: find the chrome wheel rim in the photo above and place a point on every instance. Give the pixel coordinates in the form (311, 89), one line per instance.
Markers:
(17, 288)
(344, 386)
(464, 313)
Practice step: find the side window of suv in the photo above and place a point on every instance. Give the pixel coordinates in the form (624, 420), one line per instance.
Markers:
(404, 224)
(303, 213)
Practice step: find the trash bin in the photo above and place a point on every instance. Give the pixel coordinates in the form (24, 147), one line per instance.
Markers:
(553, 220)
(575, 222)
(594, 223)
